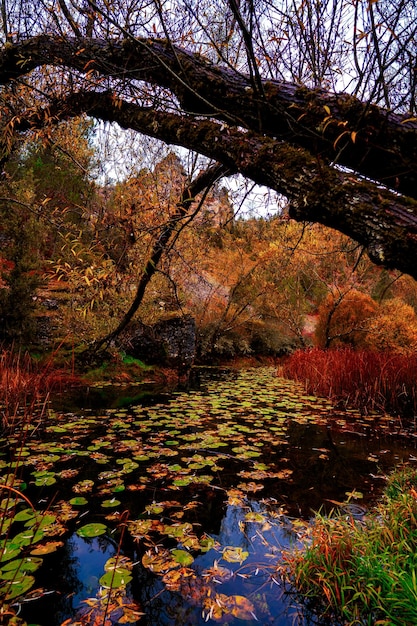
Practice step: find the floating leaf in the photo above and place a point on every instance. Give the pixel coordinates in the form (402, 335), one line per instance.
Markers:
(9, 550)
(254, 517)
(118, 563)
(78, 501)
(19, 586)
(155, 508)
(47, 548)
(234, 554)
(207, 543)
(116, 579)
(238, 606)
(94, 529)
(108, 504)
(27, 564)
(175, 578)
(159, 562)
(84, 486)
(24, 515)
(182, 557)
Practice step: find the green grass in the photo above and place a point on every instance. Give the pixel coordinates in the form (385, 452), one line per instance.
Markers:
(363, 572)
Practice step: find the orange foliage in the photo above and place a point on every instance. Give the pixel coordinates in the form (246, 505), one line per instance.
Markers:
(394, 328)
(344, 320)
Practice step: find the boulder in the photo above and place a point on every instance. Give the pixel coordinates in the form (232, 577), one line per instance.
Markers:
(170, 342)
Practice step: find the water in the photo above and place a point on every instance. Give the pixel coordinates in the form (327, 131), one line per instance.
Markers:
(199, 491)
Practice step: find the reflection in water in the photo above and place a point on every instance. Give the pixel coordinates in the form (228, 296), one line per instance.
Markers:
(254, 579)
(91, 555)
(74, 574)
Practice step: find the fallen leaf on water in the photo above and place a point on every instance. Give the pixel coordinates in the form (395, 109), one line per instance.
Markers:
(234, 554)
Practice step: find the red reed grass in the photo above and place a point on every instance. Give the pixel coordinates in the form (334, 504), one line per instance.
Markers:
(366, 380)
(23, 383)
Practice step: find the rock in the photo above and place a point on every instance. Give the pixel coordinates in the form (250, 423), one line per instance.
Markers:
(170, 342)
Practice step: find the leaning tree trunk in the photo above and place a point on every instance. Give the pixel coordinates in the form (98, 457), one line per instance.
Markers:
(284, 136)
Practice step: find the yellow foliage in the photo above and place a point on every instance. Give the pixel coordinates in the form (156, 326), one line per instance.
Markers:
(393, 328)
(344, 320)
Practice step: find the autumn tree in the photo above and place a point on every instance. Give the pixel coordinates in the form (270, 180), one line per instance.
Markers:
(393, 328)
(344, 319)
(315, 100)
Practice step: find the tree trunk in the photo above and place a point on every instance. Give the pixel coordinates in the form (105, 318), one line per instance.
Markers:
(279, 135)
(334, 127)
(201, 183)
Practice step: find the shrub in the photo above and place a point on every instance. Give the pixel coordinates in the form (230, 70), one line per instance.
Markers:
(393, 328)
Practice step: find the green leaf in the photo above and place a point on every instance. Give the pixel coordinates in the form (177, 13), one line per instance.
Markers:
(94, 529)
(116, 579)
(78, 501)
(234, 555)
(19, 586)
(182, 557)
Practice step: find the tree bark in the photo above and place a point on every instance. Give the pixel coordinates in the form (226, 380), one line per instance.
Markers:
(285, 137)
(338, 128)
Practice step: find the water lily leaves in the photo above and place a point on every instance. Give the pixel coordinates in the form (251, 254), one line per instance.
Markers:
(116, 579)
(237, 606)
(250, 486)
(180, 445)
(155, 508)
(174, 579)
(27, 537)
(95, 529)
(207, 543)
(24, 515)
(19, 586)
(108, 504)
(140, 528)
(141, 457)
(182, 482)
(78, 501)
(159, 562)
(128, 465)
(234, 554)
(25, 565)
(41, 521)
(84, 486)
(178, 531)
(254, 517)
(47, 548)
(44, 478)
(182, 557)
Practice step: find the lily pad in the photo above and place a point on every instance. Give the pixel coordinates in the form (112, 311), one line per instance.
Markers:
(182, 557)
(47, 548)
(234, 554)
(78, 501)
(109, 504)
(27, 564)
(115, 579)
(19, 586)
(94, 529)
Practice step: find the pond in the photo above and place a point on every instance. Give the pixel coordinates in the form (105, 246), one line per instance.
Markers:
(175, 508)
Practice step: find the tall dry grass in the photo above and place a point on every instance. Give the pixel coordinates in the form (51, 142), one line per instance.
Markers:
(365, 380)
(26, 385)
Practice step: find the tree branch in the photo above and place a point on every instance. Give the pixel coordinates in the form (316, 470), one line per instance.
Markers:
(377, 143)
(377, 218)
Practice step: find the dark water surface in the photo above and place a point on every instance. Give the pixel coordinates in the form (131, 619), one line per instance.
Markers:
(199, 489)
